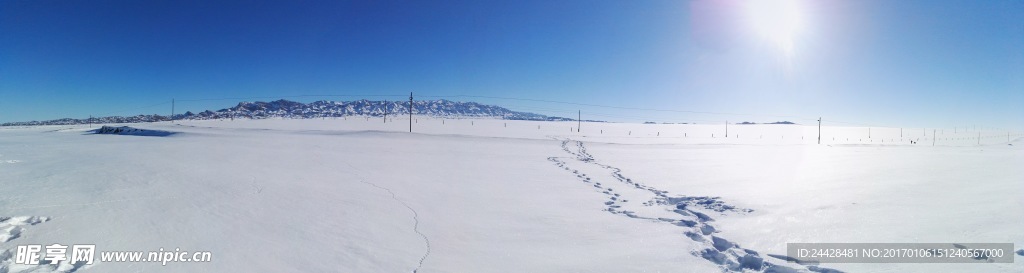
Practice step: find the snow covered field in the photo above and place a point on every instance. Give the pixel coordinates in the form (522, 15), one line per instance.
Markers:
(479, 195)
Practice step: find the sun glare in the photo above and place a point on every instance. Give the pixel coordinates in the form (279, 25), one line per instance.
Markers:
(778, 22)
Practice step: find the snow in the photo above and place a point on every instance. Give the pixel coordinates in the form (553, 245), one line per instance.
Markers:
(356, 194)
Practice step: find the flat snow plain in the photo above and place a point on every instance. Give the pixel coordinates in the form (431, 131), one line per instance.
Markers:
(482, 195)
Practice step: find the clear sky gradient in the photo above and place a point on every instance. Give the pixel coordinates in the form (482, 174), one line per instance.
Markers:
(877, 62)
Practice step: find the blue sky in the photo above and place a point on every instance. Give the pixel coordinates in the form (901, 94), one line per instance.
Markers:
(884, 63)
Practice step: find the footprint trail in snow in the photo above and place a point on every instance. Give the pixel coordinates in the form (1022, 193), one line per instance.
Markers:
(11, 228)
(630, 198)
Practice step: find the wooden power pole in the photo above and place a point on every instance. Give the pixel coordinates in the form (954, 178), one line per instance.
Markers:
(385, 111)
(819, 130)
(579, 122)
(410, 112)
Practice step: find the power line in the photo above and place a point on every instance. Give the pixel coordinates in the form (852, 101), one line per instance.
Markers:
(561, 110)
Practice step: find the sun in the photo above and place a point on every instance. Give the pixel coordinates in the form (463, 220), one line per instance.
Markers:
(778, 22)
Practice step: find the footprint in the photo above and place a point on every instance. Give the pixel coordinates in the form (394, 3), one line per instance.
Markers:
(721, 244)
(10, 227)
(707, 229)
(10, 233)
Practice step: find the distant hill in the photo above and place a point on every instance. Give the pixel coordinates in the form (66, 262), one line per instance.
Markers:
(318, 109)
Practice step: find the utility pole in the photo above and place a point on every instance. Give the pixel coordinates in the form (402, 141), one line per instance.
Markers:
(869, 132)
(385, 111)
(819, 130)
(410, 112)
(172, 111)
(726, 128)
(579, 122)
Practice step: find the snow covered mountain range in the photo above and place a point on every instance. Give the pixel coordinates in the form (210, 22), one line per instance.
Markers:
(324, 108)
